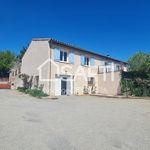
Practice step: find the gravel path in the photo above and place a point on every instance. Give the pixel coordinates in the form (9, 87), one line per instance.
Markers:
(73, 123)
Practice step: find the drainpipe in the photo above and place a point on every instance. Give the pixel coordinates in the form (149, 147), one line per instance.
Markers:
(50, 56)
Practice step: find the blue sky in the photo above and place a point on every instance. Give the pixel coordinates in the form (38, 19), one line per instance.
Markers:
(115, 27)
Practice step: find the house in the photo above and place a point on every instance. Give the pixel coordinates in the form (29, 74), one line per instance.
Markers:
(63, 69)
(14, 76)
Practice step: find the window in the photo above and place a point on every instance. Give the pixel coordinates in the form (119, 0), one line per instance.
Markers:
(86, 61)
(91, 80)
(118, 67)
(60, 55)
(63, 56)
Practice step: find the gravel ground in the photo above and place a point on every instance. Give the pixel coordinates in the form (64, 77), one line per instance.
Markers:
(73, 123)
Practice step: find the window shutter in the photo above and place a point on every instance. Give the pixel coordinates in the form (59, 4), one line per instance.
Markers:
(71, 57)
(82, 60)
(56, 54)
(92, 61)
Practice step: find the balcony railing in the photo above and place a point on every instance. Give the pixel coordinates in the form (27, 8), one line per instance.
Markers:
(109, 68)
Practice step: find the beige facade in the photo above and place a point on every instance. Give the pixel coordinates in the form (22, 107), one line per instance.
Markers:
(39, 61)
(37, 53)
(14, 78)
(109, 86)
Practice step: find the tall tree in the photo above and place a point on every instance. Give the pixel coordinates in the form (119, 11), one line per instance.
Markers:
(140, 62)
(7, 60)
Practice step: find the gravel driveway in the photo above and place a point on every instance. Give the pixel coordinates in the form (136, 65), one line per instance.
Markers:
(73, 123)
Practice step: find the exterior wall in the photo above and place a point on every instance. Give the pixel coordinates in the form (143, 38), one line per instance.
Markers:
(71, 69)
(37, 53)
(108, 86)
(15, 82)
(14, 78)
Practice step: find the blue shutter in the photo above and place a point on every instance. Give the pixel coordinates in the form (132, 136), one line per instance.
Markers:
(71, 57)
(92, 62)
(56, 54)
(82, 60)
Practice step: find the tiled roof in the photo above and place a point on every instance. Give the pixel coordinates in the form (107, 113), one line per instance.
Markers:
(75, 47)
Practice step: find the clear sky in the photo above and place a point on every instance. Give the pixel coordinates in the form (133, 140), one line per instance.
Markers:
(115, 27)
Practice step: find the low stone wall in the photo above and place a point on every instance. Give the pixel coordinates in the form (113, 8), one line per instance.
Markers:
(4, 85)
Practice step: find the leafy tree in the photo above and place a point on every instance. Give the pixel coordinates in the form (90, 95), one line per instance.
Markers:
(140, 62)
(22, 52)
(7, 60)
(137, 80)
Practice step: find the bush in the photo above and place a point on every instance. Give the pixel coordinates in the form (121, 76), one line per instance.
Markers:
(36, 93)
(33, 92)
(135, 83)
(21, 89)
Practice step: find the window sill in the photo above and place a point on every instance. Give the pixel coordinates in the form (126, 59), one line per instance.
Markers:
(85, 66)
(88, 66)
(64, 62)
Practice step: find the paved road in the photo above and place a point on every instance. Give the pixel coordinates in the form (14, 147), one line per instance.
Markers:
(73, 123)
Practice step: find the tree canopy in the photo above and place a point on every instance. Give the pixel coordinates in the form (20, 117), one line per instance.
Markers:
(137, 80)
(7, 60)
(140, 62)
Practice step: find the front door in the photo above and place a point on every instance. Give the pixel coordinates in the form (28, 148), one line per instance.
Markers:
(64, 86)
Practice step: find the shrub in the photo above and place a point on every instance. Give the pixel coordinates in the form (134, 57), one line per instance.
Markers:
(135, 83)
(33, 92)
(21, 89)
(27, 81)
(36, 93)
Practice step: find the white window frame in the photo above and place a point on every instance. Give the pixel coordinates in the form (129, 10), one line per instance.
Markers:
(63, 58)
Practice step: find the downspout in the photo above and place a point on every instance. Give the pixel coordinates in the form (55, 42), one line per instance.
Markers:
(50, 57)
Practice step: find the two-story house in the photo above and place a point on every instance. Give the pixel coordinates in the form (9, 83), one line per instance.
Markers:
(63, 69)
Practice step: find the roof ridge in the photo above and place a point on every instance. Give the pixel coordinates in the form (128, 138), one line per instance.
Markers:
(76, 47)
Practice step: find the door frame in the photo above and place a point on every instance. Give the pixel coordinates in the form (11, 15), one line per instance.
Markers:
(69, 85)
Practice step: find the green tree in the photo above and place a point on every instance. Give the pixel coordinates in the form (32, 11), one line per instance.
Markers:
(22, 52)
(137, 80)
(7, 60)
(140, 62)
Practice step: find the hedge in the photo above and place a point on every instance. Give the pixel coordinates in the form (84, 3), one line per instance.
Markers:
(135, 83)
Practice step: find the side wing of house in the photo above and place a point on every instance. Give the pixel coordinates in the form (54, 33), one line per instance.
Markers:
(37, 53)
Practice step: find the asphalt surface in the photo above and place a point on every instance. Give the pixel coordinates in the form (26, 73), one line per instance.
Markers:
(73, 123)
